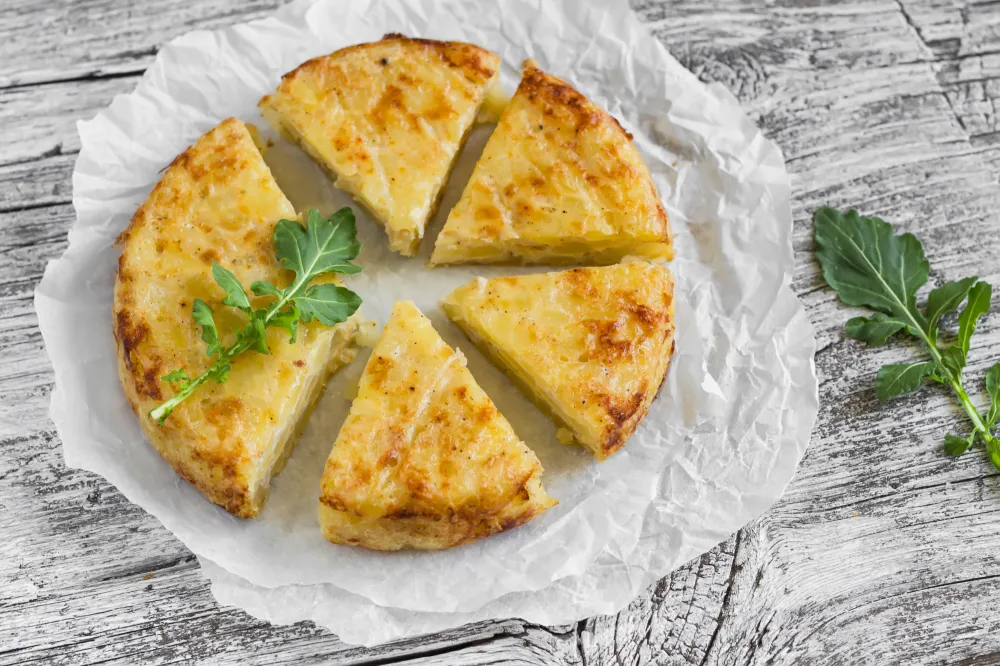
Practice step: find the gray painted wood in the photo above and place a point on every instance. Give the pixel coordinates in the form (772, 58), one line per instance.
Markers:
(882, 551)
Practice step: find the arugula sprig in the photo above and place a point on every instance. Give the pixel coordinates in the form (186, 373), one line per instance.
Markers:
(868, 265)
(324, 245)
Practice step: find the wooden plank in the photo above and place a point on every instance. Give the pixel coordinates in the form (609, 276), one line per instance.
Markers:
(72, 39)
(38, 182)
(40, 121)
(677, 619)
(964, 43)
(39, 142)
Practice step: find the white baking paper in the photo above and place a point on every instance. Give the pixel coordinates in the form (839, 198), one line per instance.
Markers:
(721, 441)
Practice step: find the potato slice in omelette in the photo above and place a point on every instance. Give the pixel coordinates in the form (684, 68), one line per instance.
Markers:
(590, 345)
(218, 202)
(387, 120)
(559, 182)
(424, 459)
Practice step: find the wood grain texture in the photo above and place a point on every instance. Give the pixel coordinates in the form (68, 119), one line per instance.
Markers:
(882, 551)
(72, 39)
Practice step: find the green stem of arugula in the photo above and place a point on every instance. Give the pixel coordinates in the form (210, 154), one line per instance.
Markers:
(959, 390)
(162, 411)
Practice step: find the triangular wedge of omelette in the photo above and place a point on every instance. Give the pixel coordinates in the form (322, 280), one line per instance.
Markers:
(217, 202)
(386, 120)
(589, 345)
(559, 182)
(424, 459)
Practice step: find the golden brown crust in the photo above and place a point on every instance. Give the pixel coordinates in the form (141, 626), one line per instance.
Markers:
(404, 529)
(424, 459)
(558, 99)
(477, 64)
(386, 120)
(590, 345)
(560, 181)
(217, 201)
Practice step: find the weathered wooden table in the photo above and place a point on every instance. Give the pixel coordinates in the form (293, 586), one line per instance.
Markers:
(882, 551)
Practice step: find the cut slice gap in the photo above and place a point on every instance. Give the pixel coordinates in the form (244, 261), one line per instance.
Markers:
(616, 321)
(424, 459)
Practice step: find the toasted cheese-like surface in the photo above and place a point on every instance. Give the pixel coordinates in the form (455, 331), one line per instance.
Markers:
(424, 459)
(387, 120)
(559, 181)
(216, 201)
(589, 345)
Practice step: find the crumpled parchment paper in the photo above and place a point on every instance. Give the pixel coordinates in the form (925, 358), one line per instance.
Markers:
(720, 443)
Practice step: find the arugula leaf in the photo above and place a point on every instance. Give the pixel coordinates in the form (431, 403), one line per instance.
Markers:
(956, 446)
(218, 373)
(260, 288)
(177, 377)
(324, 245)
(993, 449)
(895, 380)
(253, 335)
(978, 305)
(946, 299)
(327, 302)
(288, 320)
(209, 332)
(875, 330)
(993, 389)
(235, 296)
(869, 265)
